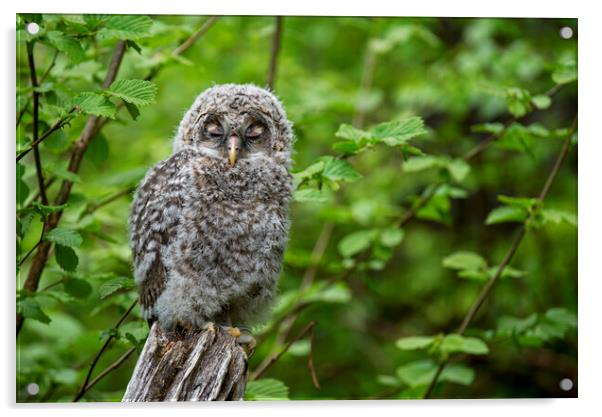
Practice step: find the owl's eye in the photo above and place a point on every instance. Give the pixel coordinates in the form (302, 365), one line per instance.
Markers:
(254, 131)
(214, 130)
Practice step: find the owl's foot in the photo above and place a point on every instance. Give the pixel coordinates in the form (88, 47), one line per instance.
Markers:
(244, 338)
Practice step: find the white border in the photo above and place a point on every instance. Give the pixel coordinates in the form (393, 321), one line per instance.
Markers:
(590, 207)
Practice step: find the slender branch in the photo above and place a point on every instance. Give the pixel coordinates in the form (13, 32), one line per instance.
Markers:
(104, 347)
(262, 370)
(23, 259)
(107, 371)
(107, 200)
(36, 105)
(276, 40)
(488, 287)
(310, 360)
(46, 73)
(58, 125)
(195, 36)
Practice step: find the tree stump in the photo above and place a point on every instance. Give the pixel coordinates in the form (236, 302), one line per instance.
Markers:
(203, 365)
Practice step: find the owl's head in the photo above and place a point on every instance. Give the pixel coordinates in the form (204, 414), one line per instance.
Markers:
(234, 122)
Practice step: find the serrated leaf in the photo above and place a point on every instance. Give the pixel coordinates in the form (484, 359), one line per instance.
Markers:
(95, 104)
(136, 92)
(130, 27)
(464, 260)
(68, 45)
(558, 216)
(266, 389)
(78, 288)
(113, 285)
(506, 214)
(356, 242)
(65, 237)
(337, 170)
(414, 342)
(398, 132)
(456, 343)
(346, 131)
(29, 307)
(66, 257)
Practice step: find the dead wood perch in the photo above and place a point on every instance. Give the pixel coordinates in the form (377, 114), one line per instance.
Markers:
(203, 365)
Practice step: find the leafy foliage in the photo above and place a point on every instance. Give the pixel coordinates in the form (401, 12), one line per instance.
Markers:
(390, 205)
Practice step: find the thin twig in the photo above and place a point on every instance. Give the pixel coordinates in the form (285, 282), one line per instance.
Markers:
(195, 36)
(36, 105)
(276, 40)
(262, 370)
(488, 287)
(46, 73)
(310, 360)
(58, 125)
(107, 371)
(104, 347)
(107, 200)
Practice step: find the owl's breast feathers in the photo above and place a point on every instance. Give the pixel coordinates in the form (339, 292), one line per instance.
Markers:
(225, 228)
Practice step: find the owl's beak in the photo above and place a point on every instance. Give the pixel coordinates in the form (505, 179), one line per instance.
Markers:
(233, 149)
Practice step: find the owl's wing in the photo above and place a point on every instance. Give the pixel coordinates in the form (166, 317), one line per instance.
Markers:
(155, 216)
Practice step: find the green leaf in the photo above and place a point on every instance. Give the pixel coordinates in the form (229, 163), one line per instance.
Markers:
(417, 373)
(391, 237)
(562, 316)
(522, 202)
(506, 214)
(132, 110)
(338, 170)
(458, 374)
(458, 169)
(129, 27)
(136, 92)
(356, 242)
(565, 73)
(338, 293)
(65, 237)
(300, 348)
(349, 132)
(29, 307)
(464, 260)
(558, 216)
(66, 257)
(455, 343)
(312, 195)
(542, 101)
(398, 132)
(96, 104)
(115, 284)
(420, 163)
(414, 342)
(78, 288)
(266, 389)
(68, 45)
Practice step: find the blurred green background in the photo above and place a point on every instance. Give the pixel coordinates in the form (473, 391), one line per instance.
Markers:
(455, 74)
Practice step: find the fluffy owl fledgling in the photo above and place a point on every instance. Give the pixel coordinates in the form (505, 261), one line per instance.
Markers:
(209, 224)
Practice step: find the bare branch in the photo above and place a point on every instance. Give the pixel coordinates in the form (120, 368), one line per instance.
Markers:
(273, 359)
(195, 36)
(58, 125)
(36, 105)
(104, 347)
(107, 371)
(276, 40)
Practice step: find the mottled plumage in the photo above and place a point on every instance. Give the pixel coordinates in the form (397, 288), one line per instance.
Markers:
(209, 224)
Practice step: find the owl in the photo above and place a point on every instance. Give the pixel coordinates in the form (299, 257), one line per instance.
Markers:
(209, 225)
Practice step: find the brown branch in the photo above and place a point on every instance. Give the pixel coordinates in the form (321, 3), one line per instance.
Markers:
(310, 360)
(195, 36)
(104, 347)
(36, 105)
(488, 287)
(276, 41)
(58, 125)
(262, 369)
(107, 371)
(81, 145)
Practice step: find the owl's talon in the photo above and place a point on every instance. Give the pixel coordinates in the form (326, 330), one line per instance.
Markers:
(209, 326)
(233, 331)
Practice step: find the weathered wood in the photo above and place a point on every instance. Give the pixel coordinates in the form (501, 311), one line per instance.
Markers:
(203, 365)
